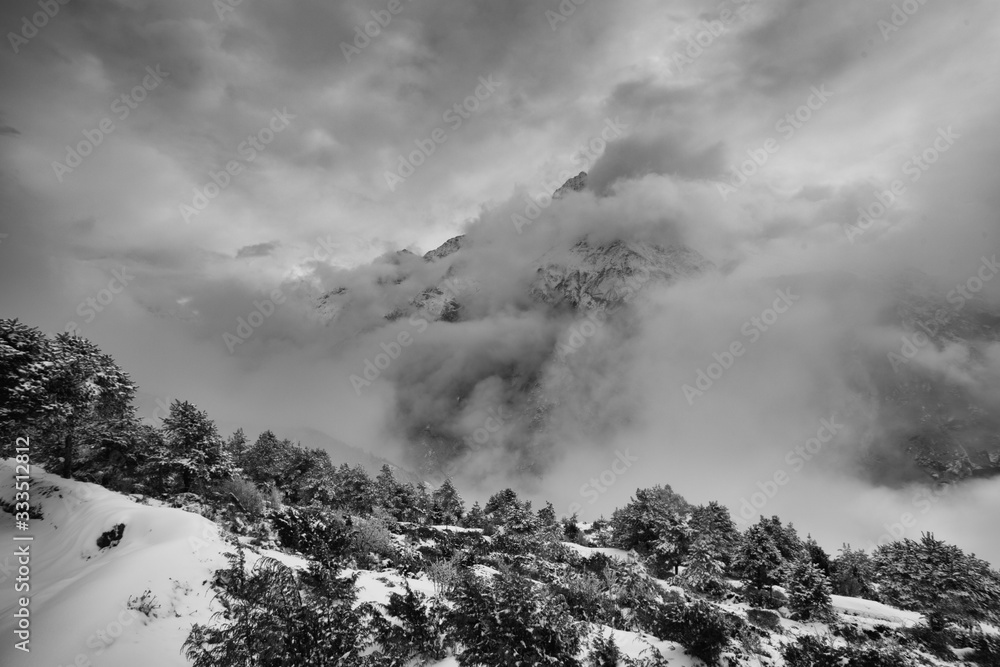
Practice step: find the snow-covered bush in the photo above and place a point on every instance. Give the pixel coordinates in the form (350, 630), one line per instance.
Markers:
(508, 621)
(268, 620)
(419, 631)
(699, 627)
(604, 652)
(316, 533)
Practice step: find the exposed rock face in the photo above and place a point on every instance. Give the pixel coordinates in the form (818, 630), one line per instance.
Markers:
(587, 277)
(449, 247)
(575, 184)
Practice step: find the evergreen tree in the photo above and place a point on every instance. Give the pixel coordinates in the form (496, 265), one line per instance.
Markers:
(476, 518)
(852, 573)
(308, 479)
(641, 524)
(354, 489)
(713, 523)
(386, 489)
(547, 516)
(195, 447)
(937, 579)
(236, 446)
(448, 505)
(809, 592)
(672, 544)
(64, 391)
(817, 555)
(266, 461)
(759, 560)
(785, 538)
(703, 567)
(500, 503)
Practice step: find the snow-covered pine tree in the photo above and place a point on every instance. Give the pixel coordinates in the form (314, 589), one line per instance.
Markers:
(64, 390)
(448, 506)
(758, 560)
(195, 447)
(937, 579)
(809, 592)
(703, 568)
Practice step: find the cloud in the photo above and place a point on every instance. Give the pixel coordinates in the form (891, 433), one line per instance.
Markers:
(319, 194)
(257, 250)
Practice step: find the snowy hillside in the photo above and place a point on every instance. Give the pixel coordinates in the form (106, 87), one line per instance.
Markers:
(80, 592)
(119, 583)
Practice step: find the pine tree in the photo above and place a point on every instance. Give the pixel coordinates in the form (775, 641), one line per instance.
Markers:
(195, 447)
(714, 524)
(308, 479)
(851, 573)
(640, 524)
(703, 568)
(354, 489)
(673, 541)
(476, 518)
(809, 592)
(448, 505)
(236, 446)
(815, 553)
(759, 560)
(937, 579)
(65, 391)
(386, 489)
(500, 503)
(266, 461)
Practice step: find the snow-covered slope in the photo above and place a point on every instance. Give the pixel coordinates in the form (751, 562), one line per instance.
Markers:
(79, 593)
(86, 589)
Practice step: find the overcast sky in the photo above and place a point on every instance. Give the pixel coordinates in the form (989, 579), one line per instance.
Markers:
(172, 92)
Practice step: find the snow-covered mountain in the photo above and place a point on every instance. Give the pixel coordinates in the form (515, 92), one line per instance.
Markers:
(930, 425)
